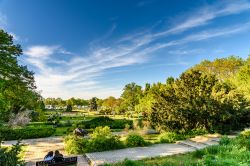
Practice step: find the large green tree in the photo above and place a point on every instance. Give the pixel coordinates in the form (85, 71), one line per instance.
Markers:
(17, 84)
(223, 68)
(198, 100)
(131, 96)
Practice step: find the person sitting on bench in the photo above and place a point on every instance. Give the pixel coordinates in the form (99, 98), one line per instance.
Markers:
(58, 157)
(49, 156)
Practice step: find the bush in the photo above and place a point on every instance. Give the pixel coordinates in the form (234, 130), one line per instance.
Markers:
(75, 144)
(199, 153)
(224, 140)
(245, 134)
(10, 156)
(134, 140)
(25, 133)
(105, 121)
(101, 140)
(170, 137)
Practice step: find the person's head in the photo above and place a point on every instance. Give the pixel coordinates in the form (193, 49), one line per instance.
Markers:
(50, 153)
(57, 152)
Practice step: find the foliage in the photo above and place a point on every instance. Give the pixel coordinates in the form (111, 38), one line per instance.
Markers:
(54, 118)
(110, 104)
(134, 140)
(197, 100)
(224, 140)
(101, 140)
(75, 144)
(93, 104)
(25, 133)
(69, 108)
(17, 84)
(170, 137)
(245, 134)
(58, 102)
(10, 156)
(105, 121)
(130, 96)
(20, 119)
(223, 68)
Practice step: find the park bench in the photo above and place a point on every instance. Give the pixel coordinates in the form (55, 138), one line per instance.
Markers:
(69, 161)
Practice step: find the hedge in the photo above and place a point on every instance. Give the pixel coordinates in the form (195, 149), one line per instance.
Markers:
(25, 133)
(105, 121)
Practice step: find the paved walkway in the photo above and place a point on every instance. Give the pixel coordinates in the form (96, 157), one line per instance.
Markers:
(38, 148)
(137, 153)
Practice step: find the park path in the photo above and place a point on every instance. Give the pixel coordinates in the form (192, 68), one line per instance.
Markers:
(157, 150)
(37, 148)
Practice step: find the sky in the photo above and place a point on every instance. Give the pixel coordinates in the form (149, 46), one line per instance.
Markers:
(87, 48)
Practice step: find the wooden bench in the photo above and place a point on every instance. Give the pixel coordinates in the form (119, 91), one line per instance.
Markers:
(66, 162)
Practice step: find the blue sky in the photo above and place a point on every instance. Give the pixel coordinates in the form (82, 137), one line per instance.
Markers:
(94, 47)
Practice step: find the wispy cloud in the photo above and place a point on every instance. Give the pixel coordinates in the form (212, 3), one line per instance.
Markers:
(3, 21)
(78, 76)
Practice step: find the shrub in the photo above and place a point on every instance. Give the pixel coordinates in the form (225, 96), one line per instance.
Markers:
(194, 132)
(20, 119)
(68, 108)
(26, 133)
(105, 121)
(199, 153)
(214, 149)
(245, 134)
(134, 140)
(224, 140)
(10, 156)
(102, 139)
(75, 145)
(170, 137)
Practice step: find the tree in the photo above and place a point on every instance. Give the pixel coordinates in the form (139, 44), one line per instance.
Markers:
(223, 68)
(130, 96)
(197, 100)
(17, 84)
(243, 79)
(93, 104)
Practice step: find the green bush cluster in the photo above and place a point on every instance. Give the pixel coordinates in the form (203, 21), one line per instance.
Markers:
(101, 140)
(10, 156)
(75, 145)
(170, 137)
(105, 121)
(134, 140)
(25, 133)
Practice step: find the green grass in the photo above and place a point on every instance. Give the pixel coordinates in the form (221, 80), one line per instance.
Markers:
(174, 160)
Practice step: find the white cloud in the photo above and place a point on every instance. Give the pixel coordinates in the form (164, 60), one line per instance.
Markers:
(3, 21)
(78, 76)
(40, 51)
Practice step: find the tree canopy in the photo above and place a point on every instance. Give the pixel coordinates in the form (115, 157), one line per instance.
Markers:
(17, 84)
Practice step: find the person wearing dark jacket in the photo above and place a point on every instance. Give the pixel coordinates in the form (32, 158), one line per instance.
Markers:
(58, 157)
